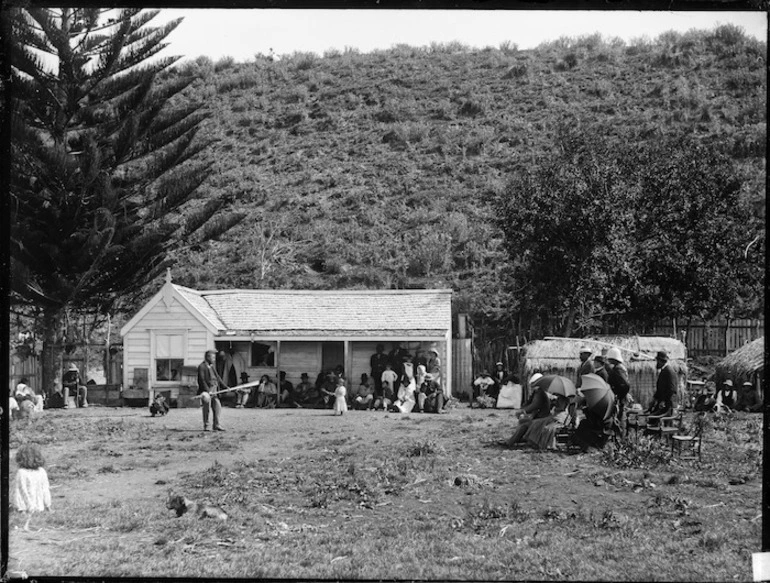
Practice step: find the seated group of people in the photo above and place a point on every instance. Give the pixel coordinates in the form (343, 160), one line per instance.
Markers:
(728, 398)
(427, 397)
(23, 401)
(498, 389)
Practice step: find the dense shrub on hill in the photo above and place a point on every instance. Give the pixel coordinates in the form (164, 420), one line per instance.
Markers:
(358, 146)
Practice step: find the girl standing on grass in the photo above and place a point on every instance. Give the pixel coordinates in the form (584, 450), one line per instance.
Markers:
(340, 394)
(31, 492)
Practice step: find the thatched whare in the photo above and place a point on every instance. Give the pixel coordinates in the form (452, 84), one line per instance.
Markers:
(747, 364)
(560, 356)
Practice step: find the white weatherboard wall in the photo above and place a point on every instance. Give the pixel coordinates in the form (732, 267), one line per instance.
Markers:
(138, 342)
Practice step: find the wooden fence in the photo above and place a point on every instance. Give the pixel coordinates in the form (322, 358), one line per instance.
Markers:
(716, 338)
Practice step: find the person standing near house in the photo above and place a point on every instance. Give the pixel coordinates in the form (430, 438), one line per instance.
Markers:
(665, 386)
(586, 365)
(389, 376)
(618, 380)
(71, 383)
(340, 397)
(377, 362)
(209, 382)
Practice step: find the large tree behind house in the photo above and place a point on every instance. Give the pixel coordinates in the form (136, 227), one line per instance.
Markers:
(104, 170)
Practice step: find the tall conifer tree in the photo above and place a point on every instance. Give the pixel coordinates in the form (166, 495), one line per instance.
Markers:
(104, 164)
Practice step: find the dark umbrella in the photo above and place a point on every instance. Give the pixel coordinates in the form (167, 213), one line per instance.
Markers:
(598, 395)
(556, 385)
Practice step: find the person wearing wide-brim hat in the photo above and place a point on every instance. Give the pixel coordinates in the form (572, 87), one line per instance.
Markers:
(71, 383)
(586, 365)
(434, 365)
(665, 387)
(727, 395)
(749, 399)
(482, 386)
(600, 367)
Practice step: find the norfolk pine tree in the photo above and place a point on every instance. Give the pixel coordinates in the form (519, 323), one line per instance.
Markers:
(104, 168)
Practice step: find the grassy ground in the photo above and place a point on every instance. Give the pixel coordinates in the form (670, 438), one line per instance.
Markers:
(378, 495)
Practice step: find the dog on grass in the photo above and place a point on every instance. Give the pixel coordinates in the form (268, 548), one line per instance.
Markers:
(182, 505)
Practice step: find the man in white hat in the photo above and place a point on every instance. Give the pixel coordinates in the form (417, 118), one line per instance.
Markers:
(586, 365)
(727, 396)
(71, 383)
(618, 380)
(749, 399)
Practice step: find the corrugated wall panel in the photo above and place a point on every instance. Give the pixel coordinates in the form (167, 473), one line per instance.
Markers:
(462, 367)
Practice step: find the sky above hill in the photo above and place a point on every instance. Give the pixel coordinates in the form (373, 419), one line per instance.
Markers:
(244, 33)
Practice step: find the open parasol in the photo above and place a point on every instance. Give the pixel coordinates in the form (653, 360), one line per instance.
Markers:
(598, 395)
(556, 385)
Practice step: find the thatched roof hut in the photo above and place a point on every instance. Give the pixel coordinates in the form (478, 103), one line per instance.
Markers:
(747, 364)
(560, 356)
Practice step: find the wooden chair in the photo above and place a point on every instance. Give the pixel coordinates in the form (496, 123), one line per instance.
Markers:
(665, 425)
(636, 420)
(563, 437)
(693, 440)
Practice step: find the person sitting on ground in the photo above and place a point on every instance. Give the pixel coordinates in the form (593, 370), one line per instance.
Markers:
(364, 397)
(749, 399)
(159, 406)
(31, 490)
(387, 398)
(538, 408)
(242, 395)
(286, 391)
(71, 384)
(267, 393)
(431, 396)
(481, 386)
(541, 433)
(328, 388)
(26, 393)
(727, 396)
(305, 394)
(705, 400)
(405, 400)
(13, 407)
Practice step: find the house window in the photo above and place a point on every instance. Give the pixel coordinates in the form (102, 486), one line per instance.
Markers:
(263, 353)
(169, 356)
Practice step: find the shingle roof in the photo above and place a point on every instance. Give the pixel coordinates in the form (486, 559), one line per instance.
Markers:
(321, 312)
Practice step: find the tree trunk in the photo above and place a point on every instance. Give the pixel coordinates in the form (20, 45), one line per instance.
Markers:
(51, 359)
(567, 330)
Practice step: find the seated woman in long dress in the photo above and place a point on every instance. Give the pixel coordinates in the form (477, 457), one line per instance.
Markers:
(539, 407)
(541, 433)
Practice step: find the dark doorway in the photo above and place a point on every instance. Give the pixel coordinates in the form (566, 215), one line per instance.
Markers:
(332, 355)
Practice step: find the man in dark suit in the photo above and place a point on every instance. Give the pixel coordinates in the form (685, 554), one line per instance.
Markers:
(586, 365)
(208, 383)
(665, 387)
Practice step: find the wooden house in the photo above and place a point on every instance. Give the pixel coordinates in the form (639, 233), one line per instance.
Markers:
(560, 356)
(268, 331)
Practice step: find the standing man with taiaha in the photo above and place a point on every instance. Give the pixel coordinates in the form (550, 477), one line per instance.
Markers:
(208, 383)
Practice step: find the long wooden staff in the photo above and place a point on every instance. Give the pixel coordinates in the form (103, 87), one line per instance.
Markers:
(243, 386)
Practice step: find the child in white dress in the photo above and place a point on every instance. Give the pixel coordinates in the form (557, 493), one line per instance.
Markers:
(31, 492)
(340, 394)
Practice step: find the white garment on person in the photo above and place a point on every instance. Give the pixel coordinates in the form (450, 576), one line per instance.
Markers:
(26, 390)
(13, 405)
(340, 404)
(405, 401)
(420, 374)
(510, 396)
(484, 383)
(31, 492)
(390, 377)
